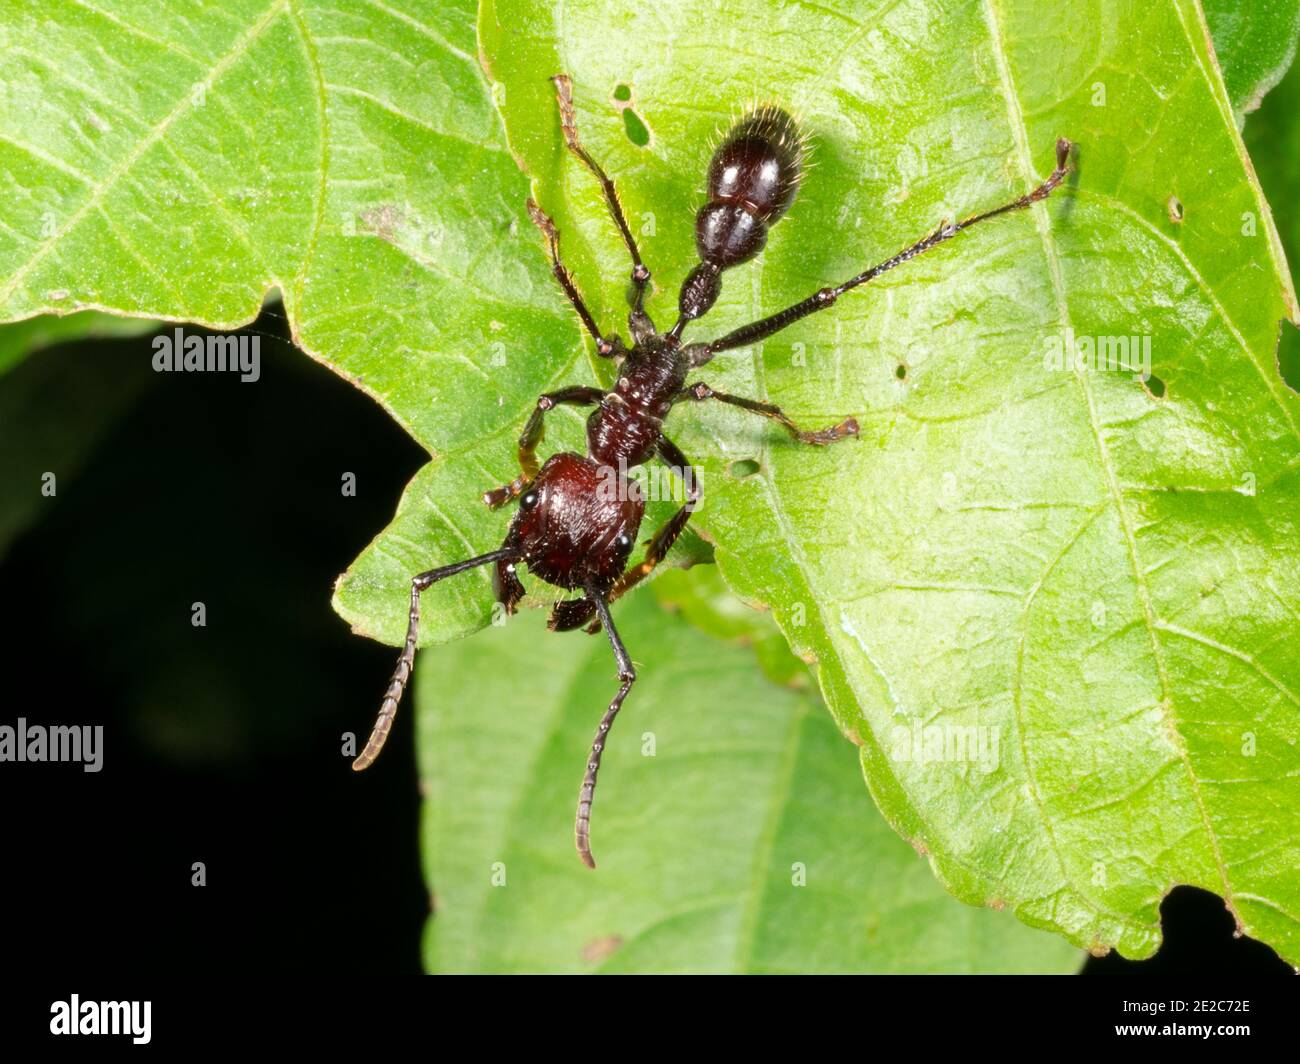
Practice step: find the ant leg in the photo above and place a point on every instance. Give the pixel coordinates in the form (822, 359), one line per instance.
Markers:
(662, 541)
(638, 320)
(626, 676)
(406, 661)
(820, 437)
(506, 584)
(604, 348)
(568, 614)
(825, 297)
(531, 437)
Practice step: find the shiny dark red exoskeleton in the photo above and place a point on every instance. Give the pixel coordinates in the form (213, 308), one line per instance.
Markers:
(578, 516)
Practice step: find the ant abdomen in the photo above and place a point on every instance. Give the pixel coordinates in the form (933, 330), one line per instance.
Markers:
(759, 164)
(753, 177)
(726, 234)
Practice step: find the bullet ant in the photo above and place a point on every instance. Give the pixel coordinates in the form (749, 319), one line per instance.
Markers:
(570, 529)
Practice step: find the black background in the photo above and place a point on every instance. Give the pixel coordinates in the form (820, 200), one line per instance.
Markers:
(223, 742)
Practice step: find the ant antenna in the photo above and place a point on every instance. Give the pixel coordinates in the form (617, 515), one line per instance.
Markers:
(406, 660)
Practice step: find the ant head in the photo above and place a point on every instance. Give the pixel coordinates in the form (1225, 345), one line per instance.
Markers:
(577, 522)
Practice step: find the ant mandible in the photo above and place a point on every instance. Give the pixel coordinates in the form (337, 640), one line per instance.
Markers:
(578, 517)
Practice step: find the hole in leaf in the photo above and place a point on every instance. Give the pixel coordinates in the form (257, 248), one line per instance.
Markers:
(635, 128)
(1198, 925)
(901, 372)
(1175, 206)
(1155, 386)
(746, 467)
(622, 93)
(1288, 355)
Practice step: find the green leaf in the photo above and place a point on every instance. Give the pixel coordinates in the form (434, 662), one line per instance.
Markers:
(749, 791)
(1106, 577)
(703, 599)
(1273, 137)
(157, 160)
(1255, 43)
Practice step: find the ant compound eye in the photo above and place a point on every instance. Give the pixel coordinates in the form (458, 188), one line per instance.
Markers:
(528, 501)
(623, 542)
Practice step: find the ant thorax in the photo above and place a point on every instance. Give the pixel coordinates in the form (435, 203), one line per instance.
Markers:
(623, 431)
